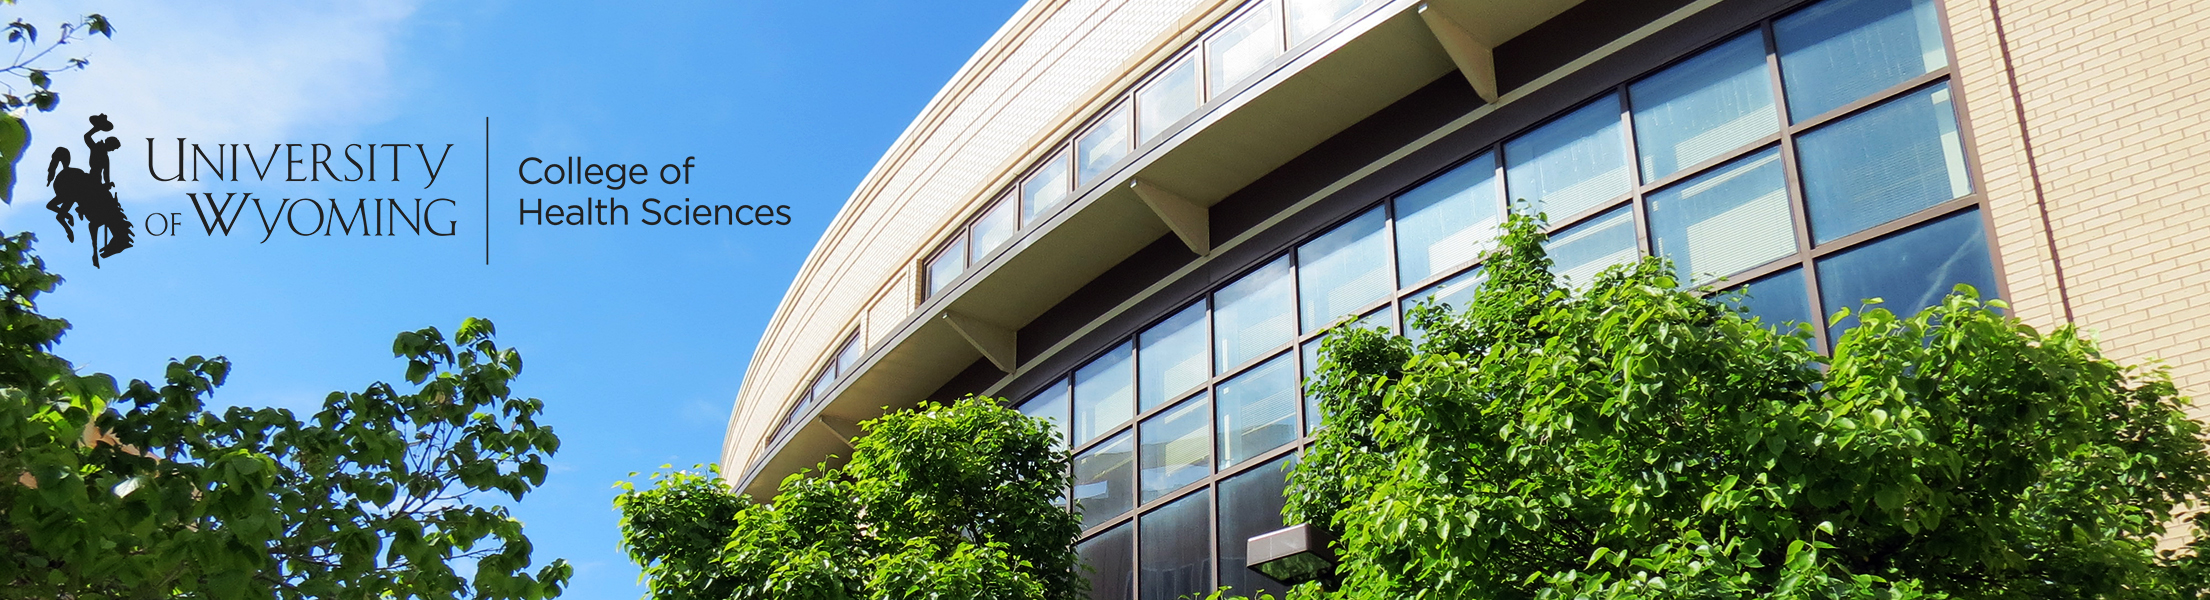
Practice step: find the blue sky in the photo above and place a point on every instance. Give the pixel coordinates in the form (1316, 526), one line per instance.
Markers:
(637, 337)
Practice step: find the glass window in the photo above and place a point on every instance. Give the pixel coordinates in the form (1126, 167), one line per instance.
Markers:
(1455, 293)
(1171, 357)
(1104, 144)
(1109, 562)
(1251, 505)
(1580, 252)
(1938, 255)
(1882, 164)
(948, 264)
(1104, 394)
(1105, 480)
(1344, 270)
(993, 228)
(847, 358)
(1258, 410)
(1703, 107)
(1725, 220)
(1447, 221)
(1837, 51)
(1051, 404)
(1571, 164)
(823, 382)
(1308, 17)
(1383, 318)
(1779, 300)
(1177, 447)
(1176, 556)
(1166, 99)
(1253, 315)
(1238, 50)
(1045, 188)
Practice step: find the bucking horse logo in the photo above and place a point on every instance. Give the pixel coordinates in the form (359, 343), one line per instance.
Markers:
(91, 194)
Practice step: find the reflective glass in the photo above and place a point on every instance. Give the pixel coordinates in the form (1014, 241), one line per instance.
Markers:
(1045, 188)
(1171, 357)
(1447, 221)
(1384, 318)
(1580, 252)
(1105, 480)
(993, 229)
(1238, 50)
(1571, 164)
(1104, 144)
(1176, 553)
(1838, 51)
(822, 384)
(1104, 393)
(1308, 17)
(847, 358)
(1703, 107)
(1051, 404)
(1250, 505)
(947, 265)
(1253, 315)
(1882, 164)
(1177, 447)
(1109, 562)
(1908, 271)
(1342, 271)
(1725, 220)
(1167, 99)
(1258, 410)
(1455, 293)
(1779, 301)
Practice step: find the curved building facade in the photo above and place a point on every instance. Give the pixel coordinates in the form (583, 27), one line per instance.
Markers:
(1138, 217)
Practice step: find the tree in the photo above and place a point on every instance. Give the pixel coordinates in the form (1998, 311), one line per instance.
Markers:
(1638, 440)
(956, 501)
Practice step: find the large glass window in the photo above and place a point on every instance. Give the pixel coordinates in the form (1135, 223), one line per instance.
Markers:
(1838, 51)
(1882, 164)
(1728, 219)
(1258, 410)
(1447, 221)
(1168, 98)
(1052, 405)
(1455, 294)
(1104, 144)
(1176, 557)
(1308, 17)
(1939, 255)
(1109, 562)
(1238, 50)
(1344, 270)
(1703, 107)
(994, 228)
(1104, 394)
(1579, 252)
(1571, 164)
(947, 265)
(1250, 505)
(1177, 448)
(1253, 315)
(1384, 319)
(1105, 480)
(1779, 301)
(1172, 356)
(1045, 188)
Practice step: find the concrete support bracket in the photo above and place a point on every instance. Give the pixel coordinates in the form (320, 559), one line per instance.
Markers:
(996, 343)
(1189, 221)
(846, 430)
(1474, 57)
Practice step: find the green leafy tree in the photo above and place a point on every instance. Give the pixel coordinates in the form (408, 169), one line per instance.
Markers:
(1638, 440)
(958, 501)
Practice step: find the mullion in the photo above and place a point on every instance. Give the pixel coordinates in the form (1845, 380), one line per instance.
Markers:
(1799, 210)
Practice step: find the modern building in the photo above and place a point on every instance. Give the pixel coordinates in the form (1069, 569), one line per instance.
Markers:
(1138, 216)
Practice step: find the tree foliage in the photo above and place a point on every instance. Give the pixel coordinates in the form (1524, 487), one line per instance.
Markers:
(146, 492)
(1638, 440)
(957, 501)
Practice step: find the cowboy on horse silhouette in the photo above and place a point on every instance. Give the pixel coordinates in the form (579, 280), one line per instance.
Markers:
(92, 194)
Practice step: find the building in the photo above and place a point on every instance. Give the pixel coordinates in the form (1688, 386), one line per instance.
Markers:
(1136, 216)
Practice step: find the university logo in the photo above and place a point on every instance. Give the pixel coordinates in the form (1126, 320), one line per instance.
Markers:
(90, 192)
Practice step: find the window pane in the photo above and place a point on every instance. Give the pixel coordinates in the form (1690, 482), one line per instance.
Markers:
(1909, 271)
(1703, 107)
(1172, 356)
(1344, 270)
(1881, 164)
(1258, 410)
(947, 265)
(1051, 404)
(1308, 17)
(994, 228)
(822, 383)
(847, 358)
(1383, 318)
(1238, 50)
(1571, 164)
(1779, 301)
(1105, 480)
(1104, 394)
(1250, 505)
(1448, 221)
(1253, 315)
(1104, 144)
(1109, 561)
(1177, 447)
(1725, 220)
(1045, 188)
(1177, 549)
(1166, 99)
(1581, 251)
(1456, 293)
(1840, 50)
